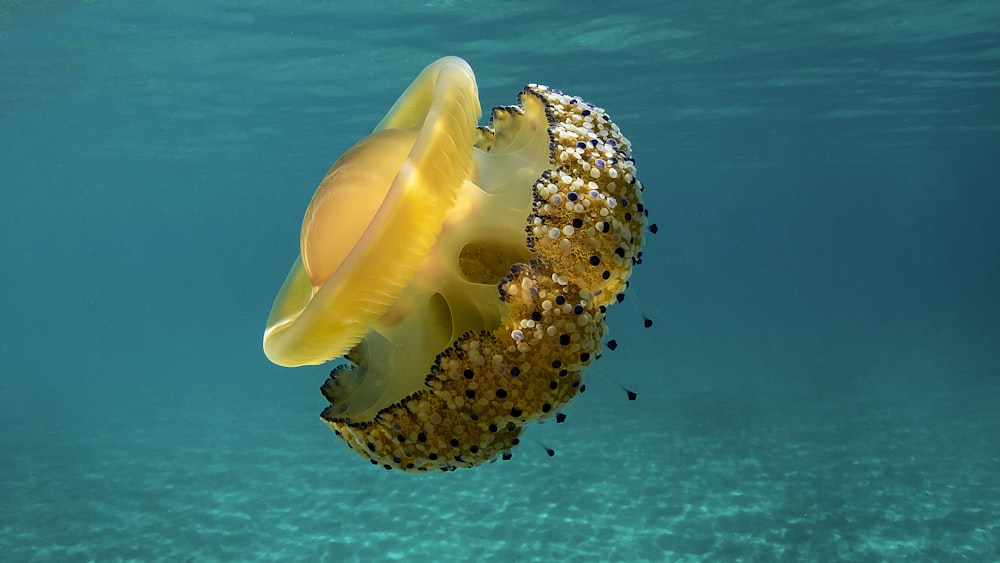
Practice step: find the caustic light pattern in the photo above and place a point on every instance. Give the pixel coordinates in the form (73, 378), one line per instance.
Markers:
(462, 272)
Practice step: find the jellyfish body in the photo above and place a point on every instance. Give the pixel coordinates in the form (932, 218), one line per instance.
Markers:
(463, 272)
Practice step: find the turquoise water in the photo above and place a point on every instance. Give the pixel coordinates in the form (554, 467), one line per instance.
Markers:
(820, 383)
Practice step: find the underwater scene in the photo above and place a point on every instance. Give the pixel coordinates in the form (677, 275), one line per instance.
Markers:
(470, 281)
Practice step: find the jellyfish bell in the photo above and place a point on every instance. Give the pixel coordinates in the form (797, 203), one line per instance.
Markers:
(463, 272)
(374, 216)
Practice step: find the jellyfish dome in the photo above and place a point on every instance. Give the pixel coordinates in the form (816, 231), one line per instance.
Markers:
(462, 272)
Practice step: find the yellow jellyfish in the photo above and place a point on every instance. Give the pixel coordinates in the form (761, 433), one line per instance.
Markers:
(462, 272)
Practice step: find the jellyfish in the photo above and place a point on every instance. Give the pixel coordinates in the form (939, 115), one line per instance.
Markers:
(460, 273)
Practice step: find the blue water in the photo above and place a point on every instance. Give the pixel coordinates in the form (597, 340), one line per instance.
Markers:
(821, 382)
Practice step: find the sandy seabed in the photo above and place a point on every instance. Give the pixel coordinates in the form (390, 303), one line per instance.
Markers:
(756, 470)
